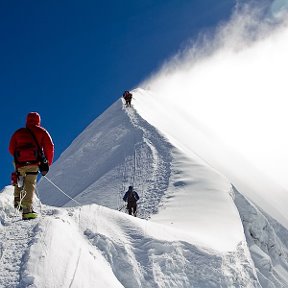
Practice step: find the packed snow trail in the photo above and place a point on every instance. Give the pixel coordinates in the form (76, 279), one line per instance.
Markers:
(16, 239)
(151, 167)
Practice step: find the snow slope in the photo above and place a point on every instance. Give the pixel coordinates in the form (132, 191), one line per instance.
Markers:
(157, 170)
(111, 154)
(196, 229)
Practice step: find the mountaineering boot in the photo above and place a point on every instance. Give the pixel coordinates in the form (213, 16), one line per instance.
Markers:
(29, 215)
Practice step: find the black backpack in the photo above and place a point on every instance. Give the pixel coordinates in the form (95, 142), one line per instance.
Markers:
(131, 197)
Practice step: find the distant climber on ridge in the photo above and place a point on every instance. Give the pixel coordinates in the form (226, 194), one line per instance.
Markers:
(131, 197)
(127, 97)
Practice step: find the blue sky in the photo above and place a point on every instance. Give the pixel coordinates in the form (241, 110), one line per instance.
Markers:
(70, 60)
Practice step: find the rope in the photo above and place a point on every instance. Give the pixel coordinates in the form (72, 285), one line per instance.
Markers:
(119, 198)
(22, 196)
(61, 190)
(134, 164)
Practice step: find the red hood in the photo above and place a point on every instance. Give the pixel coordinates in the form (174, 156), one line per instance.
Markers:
(33, 119)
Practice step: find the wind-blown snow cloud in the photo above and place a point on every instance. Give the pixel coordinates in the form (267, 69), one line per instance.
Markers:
(234, 83)
(279, 8)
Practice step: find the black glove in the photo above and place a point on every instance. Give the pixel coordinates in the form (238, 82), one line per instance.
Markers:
(44, 166)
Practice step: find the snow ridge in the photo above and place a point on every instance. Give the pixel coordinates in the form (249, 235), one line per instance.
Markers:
(112, 154)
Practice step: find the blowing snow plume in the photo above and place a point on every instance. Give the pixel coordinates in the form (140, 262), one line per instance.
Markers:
(233, 84)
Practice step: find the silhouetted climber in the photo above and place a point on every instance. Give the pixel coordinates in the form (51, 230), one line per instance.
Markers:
(127, 97)
(131, 197)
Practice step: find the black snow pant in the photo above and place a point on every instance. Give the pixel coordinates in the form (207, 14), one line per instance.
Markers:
(128, 102)
(132, 207)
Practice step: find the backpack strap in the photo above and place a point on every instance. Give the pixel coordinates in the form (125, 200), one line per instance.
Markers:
(41, 155)
(34, 138)
(43, 166)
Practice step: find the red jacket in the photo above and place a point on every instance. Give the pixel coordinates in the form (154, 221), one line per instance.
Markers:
(127, 95)
(21, 136)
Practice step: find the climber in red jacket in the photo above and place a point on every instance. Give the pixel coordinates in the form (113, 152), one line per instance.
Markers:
(32, 149)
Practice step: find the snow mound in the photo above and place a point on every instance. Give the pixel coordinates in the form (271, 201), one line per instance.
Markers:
(92, 244)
